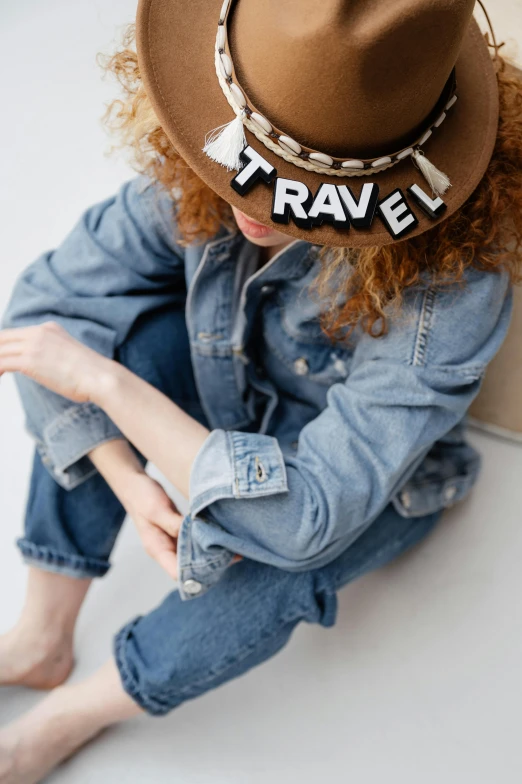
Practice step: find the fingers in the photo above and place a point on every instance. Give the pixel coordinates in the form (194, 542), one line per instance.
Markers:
(10, 350)
(163, 549)
(169, 563)
(11, 364)
(18, 347)
(16, 340)
(10, 355)
(22, 334)
(170, 521)
(13, 335)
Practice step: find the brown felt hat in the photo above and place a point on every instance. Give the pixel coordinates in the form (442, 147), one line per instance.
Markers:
(330, 93)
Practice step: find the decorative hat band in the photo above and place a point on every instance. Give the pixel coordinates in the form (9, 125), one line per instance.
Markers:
(225, 144)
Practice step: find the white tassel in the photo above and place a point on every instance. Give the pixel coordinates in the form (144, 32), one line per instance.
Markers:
(224, 144)
(437, 180)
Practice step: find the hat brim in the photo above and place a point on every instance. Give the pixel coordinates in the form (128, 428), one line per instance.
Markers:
(175, 42)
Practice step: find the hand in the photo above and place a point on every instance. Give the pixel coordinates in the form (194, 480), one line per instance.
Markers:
(145, 501)
(50, 356)
(157, 520)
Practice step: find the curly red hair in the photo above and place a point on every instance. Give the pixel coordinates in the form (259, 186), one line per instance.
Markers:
(485, 233)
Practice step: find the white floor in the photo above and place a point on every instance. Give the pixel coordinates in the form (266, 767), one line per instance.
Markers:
(421, 680)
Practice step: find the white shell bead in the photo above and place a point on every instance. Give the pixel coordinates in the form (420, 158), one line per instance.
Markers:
(224, 9)
(381, 162)
(260, 121)
(287, 143)
(226, 62)
(238, 96)
(452, 102)
(352, 165)
(405, 154)
(321, 158)
(425, 137)
(220, 38)
(440, 120)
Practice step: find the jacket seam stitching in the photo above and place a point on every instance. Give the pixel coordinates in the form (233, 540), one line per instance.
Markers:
(425, 323)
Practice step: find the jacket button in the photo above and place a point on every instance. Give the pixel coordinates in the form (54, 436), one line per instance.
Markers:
(406, 500)
(192, 587)
(267, 289)
(450, 493)
(261, 475)
(301, 366)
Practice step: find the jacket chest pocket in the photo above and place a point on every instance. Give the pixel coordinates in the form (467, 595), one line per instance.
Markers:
(295, 341)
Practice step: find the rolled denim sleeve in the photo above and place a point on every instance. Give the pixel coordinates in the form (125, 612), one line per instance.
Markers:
(120, 261)
(405, 392)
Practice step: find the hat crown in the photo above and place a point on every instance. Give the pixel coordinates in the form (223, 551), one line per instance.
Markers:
(348, 77)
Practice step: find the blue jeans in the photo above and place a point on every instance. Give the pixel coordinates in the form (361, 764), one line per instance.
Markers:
(183, 649)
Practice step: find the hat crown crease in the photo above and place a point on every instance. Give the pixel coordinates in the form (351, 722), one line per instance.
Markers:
(352, 78)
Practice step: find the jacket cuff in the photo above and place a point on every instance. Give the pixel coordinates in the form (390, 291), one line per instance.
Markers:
(229, 464)
(69, 438)
(200, 563)
(232, 464)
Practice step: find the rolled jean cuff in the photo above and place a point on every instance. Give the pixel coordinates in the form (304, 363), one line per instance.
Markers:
(129, 681)
(68, 564)
(68, 440)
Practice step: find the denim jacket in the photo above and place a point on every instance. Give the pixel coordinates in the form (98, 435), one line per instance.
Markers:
(310, 439)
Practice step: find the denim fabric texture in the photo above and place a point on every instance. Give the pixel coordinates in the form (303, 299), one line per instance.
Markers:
(311, 440)
(181, 649)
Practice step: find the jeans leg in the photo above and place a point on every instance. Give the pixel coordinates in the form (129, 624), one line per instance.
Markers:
(73, 531)
(387, 537)
(70, 531)
(183, 649)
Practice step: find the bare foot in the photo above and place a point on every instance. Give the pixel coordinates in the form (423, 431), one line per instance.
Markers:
(6, 765)
(65, 720)
(34, 744)
(35, 657)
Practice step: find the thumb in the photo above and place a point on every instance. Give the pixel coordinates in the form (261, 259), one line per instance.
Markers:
(162, 548)
(168, 560)
(169, 520)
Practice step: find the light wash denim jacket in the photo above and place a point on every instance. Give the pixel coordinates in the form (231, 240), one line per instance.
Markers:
(310, 440)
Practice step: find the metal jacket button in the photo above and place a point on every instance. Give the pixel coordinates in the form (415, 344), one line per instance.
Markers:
(261, 475)
(192, 587)
(406, 500)
(450, 493)
(301, 366)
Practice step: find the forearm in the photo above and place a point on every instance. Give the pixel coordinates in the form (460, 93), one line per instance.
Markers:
(156, 518)
(118, 464)
(165, 434)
